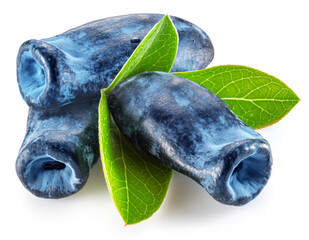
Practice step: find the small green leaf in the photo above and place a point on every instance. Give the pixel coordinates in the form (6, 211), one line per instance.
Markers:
(156, 52)
(257, 98)
(137, 185)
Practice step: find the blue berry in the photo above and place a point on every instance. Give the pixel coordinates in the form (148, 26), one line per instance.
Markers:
(75, 65)
(191, 130)
(60, 147)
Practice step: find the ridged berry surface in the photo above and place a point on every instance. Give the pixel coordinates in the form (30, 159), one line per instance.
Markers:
(59, 148)
(75, 65)
(191, 130)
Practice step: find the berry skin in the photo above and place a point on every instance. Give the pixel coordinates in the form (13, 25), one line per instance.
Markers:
(60, 147)
(75, 65)
(191, 130)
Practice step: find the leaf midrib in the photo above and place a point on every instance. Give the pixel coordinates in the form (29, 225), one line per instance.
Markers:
(154, 36)
(119, 76)
(125, 175)
(257, 99)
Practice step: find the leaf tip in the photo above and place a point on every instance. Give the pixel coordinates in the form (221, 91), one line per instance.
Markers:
(298, 99)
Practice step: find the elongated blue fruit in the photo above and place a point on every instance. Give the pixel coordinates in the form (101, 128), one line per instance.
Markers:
(59, 149)
(75, 65)
(191, 130)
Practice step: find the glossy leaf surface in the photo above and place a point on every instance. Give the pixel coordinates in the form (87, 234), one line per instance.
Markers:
(156, 52)
(137, 185)
(257, 98)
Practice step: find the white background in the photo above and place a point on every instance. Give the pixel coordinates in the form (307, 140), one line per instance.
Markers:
(271, 36)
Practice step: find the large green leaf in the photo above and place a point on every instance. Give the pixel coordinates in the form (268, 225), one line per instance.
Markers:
(156, 52)
(137, 185)
(257, 98)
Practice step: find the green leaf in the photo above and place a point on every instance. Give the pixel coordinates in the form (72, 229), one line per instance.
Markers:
(156, 52)
(257, 98)
(137, 185)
